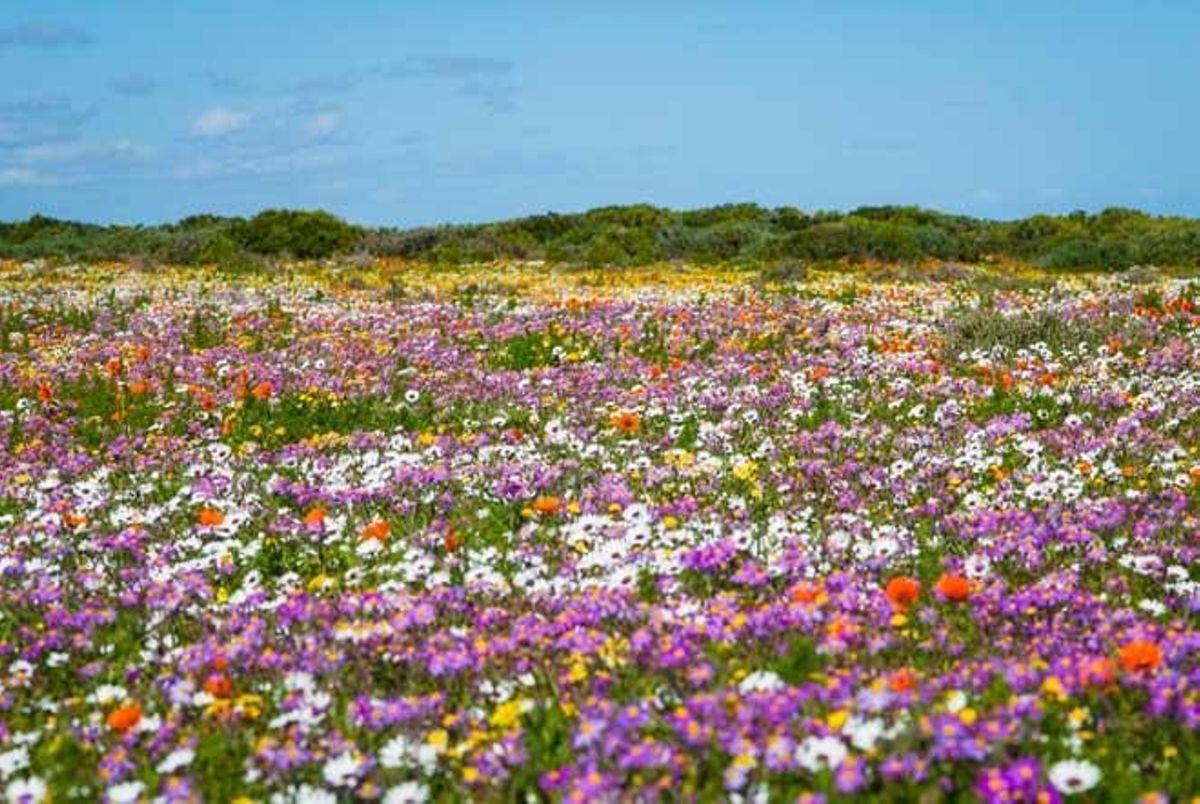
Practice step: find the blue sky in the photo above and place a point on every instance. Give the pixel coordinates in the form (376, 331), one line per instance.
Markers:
(410, 113)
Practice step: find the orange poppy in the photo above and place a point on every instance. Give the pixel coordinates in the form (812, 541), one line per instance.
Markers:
(218, 685)
(807, 593)
(627, 421)
(45, 392)
(1140, 655)
(263, 390)
(113, 367)
(211, 517)
(902, 591)
(902, 680)
(378, 530)
(452, 541)
(548, 506)
(124, 717)
(138, 387)
(315, 516)
(953, 587)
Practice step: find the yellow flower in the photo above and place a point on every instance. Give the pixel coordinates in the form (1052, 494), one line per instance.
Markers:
(507, 714)
(745, 470)
(1053, 688)
(439, 739)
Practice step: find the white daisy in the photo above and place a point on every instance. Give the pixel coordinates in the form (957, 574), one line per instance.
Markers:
(407, 793)
(816, 753)
(1074, 776)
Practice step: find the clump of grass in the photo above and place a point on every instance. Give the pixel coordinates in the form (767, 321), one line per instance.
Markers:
(783, 272)
(1142, 275)
(987, 330)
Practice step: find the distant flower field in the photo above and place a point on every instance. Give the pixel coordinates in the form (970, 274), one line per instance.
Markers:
(390, 533)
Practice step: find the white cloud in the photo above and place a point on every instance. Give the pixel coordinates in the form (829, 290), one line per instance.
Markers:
(321, 125)
(18, 177)
(219, 122)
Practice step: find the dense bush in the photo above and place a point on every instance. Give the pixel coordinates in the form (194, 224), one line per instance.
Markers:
(298, 233)
(1113, 239)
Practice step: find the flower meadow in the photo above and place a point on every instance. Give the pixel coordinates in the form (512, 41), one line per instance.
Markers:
(526, 533)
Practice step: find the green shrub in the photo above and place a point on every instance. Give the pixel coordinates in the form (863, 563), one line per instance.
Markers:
(991, 329)
(295, 233)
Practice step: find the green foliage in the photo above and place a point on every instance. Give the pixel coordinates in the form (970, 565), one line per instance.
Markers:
(297, 233)
(989, 329)
(1112, 240)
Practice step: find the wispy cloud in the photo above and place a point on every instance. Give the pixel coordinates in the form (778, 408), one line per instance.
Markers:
(321, 125)
(19, 177)
(482, 79)
(335, 84)
(44, 35)
(448, 66)
(70, 163)
(227, 83)
(133, 84)
(496, 96)
(38, 120)
(219, 122)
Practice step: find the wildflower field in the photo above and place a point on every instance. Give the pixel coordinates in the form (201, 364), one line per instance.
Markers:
(522, 533)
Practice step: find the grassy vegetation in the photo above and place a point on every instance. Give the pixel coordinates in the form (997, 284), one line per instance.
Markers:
(1114, 239)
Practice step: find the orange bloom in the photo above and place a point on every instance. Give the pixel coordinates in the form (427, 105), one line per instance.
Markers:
(315, 516)
(73, 519)
(45, 392)
(124, 717)
(218, 685)
(263, 390)
(138, 387)
(1140, 654)
(211, 517)
(902, 680)
(113, 367)
(548, 506)
(807, 593)
(452, 541)
(626, 421)
(953, 587)
(902, 591)
(378, 530)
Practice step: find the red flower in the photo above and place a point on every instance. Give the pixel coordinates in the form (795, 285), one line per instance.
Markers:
(124, 717)
(1140, 655)
(211, 517)
(902, 591)
(547, 506)
(953, 587)
(378, 530)
(218, 685)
